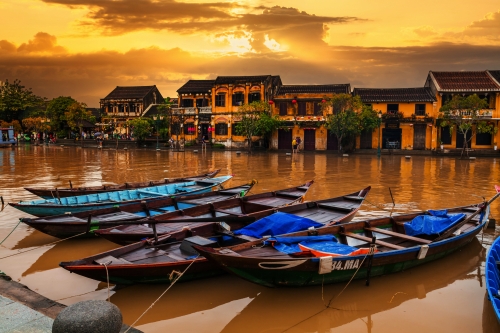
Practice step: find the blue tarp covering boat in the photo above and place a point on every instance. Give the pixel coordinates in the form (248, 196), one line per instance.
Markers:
(492, 275)
(82, 203)
(433, 224)
(277, 224)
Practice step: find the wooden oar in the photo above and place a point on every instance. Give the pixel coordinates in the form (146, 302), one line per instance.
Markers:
(450, 231)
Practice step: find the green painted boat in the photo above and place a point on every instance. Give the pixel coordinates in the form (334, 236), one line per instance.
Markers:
(394, 250)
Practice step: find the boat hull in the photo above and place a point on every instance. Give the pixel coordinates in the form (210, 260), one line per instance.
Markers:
(48, 193)
(492, 276)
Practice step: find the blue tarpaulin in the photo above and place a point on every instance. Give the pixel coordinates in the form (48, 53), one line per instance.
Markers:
(325, 243)
(433, 224)
(277, 224)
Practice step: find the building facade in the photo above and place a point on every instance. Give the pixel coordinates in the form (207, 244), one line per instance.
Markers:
(407, 118)
(444, 85)
(303, 109)
(126, 103)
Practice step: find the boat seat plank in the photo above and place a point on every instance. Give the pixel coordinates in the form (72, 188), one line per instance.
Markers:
(368, 240)
(288, 194)
(353, 197)
(232, 211)
(114, 261)
(64, 218)
(399, 235)
(116, 216)
(340, 206)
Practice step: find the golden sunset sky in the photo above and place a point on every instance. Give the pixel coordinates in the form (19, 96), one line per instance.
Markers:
(85, 48)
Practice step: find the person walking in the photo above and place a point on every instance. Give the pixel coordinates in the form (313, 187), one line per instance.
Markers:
(299, 141)
(294, 145)
(204, 142)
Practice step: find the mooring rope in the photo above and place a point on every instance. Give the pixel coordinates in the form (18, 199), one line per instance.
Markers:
(327, 306)
(170, 286)
(105, 264)
(35, 248)
(18, 223)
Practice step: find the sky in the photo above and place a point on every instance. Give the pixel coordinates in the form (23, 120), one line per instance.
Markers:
(85, 48)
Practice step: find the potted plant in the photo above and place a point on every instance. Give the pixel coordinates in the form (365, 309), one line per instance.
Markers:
(441, 144)
(494, 146)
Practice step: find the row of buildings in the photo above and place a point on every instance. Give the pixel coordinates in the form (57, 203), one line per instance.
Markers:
(409, 115)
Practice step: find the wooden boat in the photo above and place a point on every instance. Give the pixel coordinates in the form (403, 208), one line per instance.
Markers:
(48, 193)
(347, 256)
(492, 276)
(67, 225)
(252, 207)
(148, 261)
(82, 203)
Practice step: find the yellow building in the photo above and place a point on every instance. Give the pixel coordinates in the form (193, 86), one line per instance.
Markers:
(302, 107)
(192, 119)
(228, 94)
(486, 84)
(408, 118)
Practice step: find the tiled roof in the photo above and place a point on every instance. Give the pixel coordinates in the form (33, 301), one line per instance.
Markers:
(495, 75)
(314, 89)
(241, 79)
(464, 81)
(129, 92)
(369, 95)
(196, 86)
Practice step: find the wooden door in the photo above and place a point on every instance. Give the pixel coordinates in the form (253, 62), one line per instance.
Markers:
(419, 134)
(309, 139)
(285, 139)
(365, 141)
(332, 143)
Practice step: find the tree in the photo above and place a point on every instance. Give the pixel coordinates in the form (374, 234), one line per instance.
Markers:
(464, 114)
(140, 127)
(350, 117)
(76, 114)
(15, 98)
(163, 110)
(255, 119)
(36, 124)
(56, 109)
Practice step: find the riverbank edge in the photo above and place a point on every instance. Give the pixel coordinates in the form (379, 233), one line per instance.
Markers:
(149, 145)
(22, 294)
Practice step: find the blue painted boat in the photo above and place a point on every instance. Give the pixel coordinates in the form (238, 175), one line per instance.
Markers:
(492, 274)
(83, 203)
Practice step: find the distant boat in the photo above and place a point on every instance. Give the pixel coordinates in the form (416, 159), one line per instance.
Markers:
(68, 225)
(83, 203)
(7, 137)
(52, 193)
(151, 261)
(492, 276)
(343, 252)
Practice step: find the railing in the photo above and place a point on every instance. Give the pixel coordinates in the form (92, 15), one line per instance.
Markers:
(184, 110)
(485, 113)
(205, 109)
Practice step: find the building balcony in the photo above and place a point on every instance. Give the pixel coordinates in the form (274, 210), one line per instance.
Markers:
(205, 109)
(184, 110)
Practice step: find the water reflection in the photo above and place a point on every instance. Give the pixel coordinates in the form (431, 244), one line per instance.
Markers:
(449, 292)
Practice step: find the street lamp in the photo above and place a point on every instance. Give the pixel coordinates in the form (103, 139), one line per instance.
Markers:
(379, 152)
(157, 119)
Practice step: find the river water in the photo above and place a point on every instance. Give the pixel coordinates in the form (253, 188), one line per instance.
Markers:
(447, 295)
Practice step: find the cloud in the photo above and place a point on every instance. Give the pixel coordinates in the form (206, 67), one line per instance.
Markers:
(425, 31)
(488, 27)
(43, 42)
(123, 16)
(91, 76)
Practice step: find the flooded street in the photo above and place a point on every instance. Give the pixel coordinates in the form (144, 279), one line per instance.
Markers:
(447, 295)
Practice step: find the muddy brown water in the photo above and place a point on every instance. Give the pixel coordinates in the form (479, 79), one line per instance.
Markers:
(447, 295)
